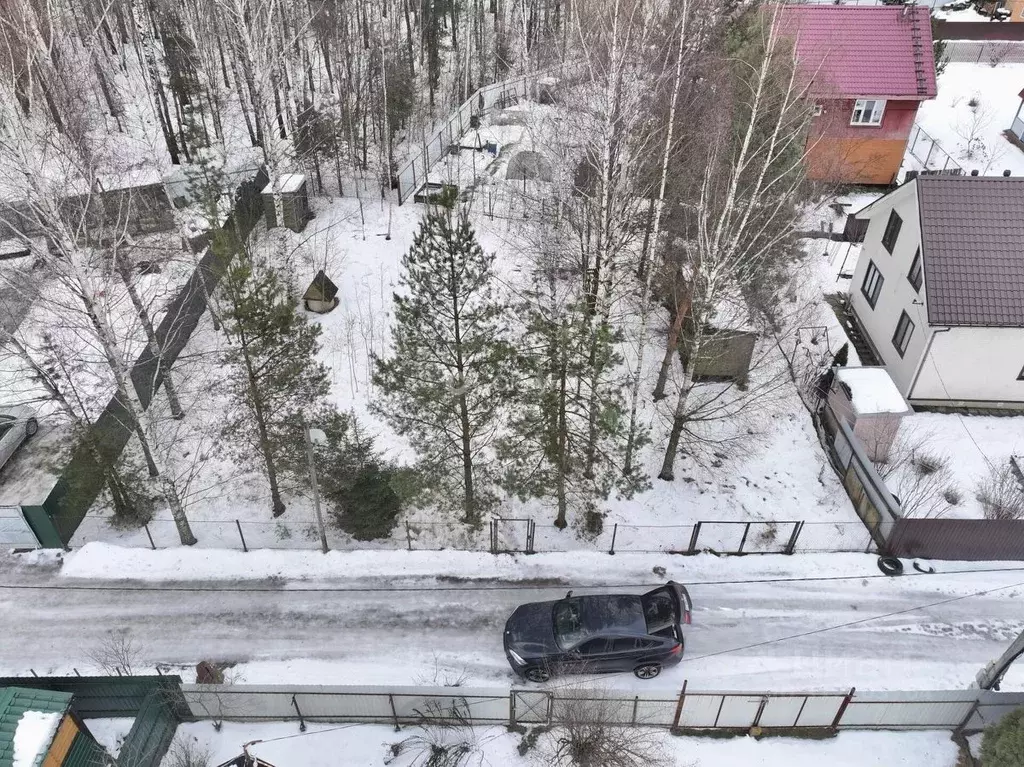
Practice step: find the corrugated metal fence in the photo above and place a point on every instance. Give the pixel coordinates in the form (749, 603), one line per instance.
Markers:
(724, 710)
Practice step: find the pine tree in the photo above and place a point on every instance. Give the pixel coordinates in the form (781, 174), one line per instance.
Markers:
(279, 385)
(443, 387)
(556, 449)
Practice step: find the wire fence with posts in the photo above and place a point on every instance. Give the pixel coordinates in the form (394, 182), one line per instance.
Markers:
(500, 536)
(927, 151)
(687, 710)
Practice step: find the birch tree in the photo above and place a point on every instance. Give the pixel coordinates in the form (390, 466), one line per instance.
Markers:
(739, 225)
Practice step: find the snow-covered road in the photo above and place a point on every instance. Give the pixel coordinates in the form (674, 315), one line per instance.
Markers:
(283, 631)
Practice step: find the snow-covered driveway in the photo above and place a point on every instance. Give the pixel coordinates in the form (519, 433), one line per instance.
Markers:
(421, 628)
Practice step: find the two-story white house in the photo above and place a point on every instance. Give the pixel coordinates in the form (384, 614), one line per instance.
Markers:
(938, 291)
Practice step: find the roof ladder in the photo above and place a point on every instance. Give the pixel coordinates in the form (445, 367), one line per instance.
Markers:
(915, 28)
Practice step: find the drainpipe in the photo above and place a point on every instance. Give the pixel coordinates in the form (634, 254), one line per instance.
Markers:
(924, 358)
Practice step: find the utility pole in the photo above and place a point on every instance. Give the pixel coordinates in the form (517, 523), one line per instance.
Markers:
(316, 490)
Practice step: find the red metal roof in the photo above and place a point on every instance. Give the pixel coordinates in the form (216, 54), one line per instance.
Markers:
(851, 51)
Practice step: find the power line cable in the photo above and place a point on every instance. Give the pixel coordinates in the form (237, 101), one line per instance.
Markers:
(128, 587)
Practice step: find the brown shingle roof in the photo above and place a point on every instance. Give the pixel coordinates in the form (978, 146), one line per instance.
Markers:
(972, 241)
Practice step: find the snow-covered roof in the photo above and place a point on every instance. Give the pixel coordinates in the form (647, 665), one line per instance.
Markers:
(33, 737)
(872, 391)
(289, 182)
(28, 721)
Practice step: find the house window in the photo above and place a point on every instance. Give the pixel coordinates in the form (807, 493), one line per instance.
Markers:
(816, 110)
(915, 271)
(904, 330)
(872, 284)
(868, 112)
(892, 231)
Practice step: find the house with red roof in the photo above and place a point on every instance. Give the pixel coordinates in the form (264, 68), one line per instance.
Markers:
(867, 70)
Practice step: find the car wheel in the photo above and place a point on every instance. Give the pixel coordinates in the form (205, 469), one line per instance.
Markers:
(647, 671)
(31, 427)
(537, 674)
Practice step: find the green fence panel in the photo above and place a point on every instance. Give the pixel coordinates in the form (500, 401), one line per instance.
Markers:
(85, 752)
(39, 520)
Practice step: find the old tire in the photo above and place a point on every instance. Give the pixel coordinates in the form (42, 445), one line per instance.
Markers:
(31, 427)
(647, 671)
(890, 565)
(536, 674)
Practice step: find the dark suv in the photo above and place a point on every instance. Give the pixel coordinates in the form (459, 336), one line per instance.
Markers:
(598, 634)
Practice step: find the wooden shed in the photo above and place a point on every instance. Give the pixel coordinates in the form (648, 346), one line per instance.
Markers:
(291, 187)
(322, 295)
(38, 728)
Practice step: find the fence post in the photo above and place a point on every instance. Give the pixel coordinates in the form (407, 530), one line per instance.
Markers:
(693, 539)
(636, 702)
(791, 545)
(494, 536)
(615, 532)
(394, 713)
(150, 536)
(302, 722)
(511, 708)
(679, 706)
(842, 708)
(408, 535)
(743, 540)
(531, 531)
(239, 526)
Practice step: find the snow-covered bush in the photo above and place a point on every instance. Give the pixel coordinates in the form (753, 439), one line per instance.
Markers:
(1001, 495)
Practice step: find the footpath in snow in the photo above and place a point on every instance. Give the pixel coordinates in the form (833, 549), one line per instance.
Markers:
(102, 560)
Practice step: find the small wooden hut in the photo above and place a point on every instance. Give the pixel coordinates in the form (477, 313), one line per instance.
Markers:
(294, 202)
(322, 295)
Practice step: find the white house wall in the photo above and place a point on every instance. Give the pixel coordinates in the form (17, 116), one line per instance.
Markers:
(897, 293)
(973, 365)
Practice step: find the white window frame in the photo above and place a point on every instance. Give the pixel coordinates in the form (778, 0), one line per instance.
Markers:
(874, 116)
(817, 110)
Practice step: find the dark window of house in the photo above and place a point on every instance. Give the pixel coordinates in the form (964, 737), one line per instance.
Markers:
(904, 330)
(915, 271)
(892, 231)
(872, 284)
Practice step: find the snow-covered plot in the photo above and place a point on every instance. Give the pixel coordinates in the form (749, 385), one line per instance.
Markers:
(281, 744)
(975, 104)
(970, 447)
(773, 470)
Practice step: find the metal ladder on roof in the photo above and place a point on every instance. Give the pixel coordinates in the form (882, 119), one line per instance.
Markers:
(915, 28)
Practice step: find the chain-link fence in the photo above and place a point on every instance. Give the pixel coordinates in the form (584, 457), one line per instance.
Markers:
(413, 175)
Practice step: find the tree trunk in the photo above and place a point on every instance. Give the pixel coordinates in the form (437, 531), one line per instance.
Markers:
(472, 513)
(667, 472)
(671, 346)
(124, 269)
(260, 416)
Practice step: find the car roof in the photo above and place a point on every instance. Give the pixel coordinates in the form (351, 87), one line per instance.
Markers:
(611, 613)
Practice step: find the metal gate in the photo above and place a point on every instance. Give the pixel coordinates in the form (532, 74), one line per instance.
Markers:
(512, 535)
(15, 531)
(530, 707)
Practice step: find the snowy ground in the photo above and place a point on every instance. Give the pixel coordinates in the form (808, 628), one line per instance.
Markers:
(973, 133)
(811, 622)
(281, 744)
